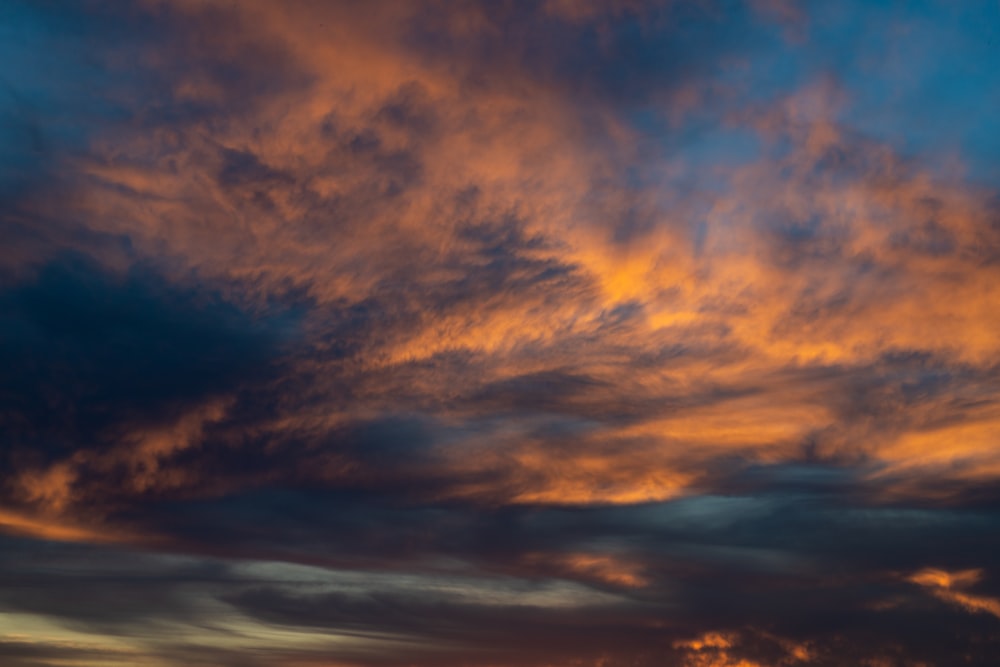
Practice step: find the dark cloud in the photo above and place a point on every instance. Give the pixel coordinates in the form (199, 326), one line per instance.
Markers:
(107, 352)
(624, 54)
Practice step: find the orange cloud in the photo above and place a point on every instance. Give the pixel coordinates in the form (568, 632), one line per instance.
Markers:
(489, 220)
(605, 568)
(716, 649)
(947, 586)
(19, 523)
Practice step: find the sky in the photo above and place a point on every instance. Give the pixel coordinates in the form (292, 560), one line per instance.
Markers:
(514, 333)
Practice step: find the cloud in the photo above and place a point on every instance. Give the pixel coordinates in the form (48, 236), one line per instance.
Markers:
(942, 585)
(535, 333)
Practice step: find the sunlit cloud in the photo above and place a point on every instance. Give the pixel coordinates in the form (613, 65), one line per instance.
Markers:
(948, 586)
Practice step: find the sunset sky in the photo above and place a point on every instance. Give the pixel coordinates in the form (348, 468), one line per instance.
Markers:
(499, 333)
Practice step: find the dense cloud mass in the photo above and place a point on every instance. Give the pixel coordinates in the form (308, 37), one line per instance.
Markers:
(544, 333)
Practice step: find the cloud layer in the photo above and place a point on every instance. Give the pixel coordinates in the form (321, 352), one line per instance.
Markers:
(521, 334)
